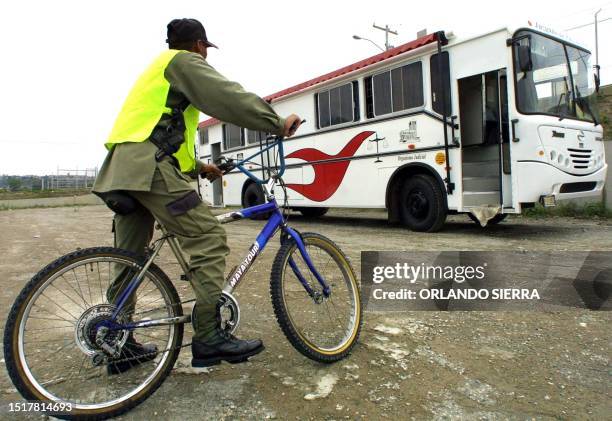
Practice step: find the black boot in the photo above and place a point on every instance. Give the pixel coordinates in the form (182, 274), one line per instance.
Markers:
(135, 352)
(224, 348)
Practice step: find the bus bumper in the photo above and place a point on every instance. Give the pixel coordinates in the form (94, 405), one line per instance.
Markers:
(533, 182)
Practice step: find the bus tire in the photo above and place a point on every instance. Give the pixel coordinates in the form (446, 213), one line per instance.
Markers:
(253, 195)
(422, 205)
(313, 212)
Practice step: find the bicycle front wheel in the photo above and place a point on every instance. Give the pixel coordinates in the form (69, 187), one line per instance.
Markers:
(324, 329)
(51, 345)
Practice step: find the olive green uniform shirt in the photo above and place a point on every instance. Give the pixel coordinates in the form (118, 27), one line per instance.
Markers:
(131, 165)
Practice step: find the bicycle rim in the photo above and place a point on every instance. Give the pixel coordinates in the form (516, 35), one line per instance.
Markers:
(327, 325)
(67, 373)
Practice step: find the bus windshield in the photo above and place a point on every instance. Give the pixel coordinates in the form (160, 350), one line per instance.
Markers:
(560, 82)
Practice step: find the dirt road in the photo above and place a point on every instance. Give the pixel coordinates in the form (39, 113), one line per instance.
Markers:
(416, 365)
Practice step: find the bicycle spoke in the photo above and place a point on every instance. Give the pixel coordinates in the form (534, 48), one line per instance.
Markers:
(79, 285)
(100, 282)
(67, 296)
(330, 300)
(166, 307)
(47, 318)
(58, 331)
(88, 286)
(55, 314)
(325, 324)
(47, 328)
(45, 341)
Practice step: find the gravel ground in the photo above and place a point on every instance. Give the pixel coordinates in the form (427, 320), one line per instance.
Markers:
(412, 365)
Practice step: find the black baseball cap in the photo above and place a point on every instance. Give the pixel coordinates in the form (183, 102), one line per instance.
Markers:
(180, 30)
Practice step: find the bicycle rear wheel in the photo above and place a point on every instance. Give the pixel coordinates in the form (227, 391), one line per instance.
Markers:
(324, 329)
(50, 336)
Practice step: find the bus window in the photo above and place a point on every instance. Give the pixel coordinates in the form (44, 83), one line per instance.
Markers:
(253, 136)
(323, 109)
(337, 105)
(232, 136)
(381, 87)
(369, 101)
(396, 90)
(203, 136)
(440, 81)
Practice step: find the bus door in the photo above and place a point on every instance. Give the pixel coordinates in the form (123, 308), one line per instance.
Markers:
(484, 126)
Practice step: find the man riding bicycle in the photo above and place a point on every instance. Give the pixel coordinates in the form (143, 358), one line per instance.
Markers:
(144, 177)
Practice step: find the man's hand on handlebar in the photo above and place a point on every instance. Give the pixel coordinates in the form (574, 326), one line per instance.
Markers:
(291, 125)
(212, 172)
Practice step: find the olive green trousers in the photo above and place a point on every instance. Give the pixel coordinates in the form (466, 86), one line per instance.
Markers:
(199, 233)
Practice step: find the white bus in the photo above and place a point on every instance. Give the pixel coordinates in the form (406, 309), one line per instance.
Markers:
(486, 125)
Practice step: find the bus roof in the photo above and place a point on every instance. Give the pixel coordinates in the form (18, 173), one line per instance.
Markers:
(419, 42)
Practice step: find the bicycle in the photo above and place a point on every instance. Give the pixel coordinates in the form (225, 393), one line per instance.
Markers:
(60, 337)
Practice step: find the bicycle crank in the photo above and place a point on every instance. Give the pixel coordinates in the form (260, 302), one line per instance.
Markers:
(228, 312)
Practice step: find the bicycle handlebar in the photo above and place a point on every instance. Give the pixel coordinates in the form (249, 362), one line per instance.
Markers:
(228, 164)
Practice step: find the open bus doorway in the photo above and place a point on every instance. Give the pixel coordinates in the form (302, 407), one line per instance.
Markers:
(217, 187)
(484, 125)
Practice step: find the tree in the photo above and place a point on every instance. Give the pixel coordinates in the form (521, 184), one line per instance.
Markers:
(14, 183)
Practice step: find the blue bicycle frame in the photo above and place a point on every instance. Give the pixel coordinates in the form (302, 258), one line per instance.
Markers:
(275, 222)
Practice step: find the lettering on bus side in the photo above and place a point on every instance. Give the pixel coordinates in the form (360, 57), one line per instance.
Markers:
(244, 266)
(412, 157)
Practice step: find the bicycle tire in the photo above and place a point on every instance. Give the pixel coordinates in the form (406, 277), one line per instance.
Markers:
(15, 366)
(283, 315)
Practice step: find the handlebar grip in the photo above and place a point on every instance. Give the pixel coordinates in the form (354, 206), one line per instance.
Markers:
(226, 167)
(294, 125)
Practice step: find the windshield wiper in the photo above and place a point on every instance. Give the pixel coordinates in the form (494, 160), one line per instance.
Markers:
(567, 94)
(584, 104)
(559, 113)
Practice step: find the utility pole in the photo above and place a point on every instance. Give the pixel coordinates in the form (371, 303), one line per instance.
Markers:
(387, 32)
(596, 47)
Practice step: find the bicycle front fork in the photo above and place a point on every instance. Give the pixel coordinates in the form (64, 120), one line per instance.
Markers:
(296, 270)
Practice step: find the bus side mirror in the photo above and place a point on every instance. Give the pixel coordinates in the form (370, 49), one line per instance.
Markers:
(524, 57)
(597, 81)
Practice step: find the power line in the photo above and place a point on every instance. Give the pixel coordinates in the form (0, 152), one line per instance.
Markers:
(586, 24)
(588, 9)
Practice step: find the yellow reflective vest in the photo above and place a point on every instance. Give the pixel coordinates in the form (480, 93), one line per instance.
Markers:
(144, 107)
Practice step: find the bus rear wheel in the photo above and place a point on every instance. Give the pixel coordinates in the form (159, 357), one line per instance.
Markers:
(421, 202)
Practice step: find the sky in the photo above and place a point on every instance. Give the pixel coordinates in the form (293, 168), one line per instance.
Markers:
(67, 66)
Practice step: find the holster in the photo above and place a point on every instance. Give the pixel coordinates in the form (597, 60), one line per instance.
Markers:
(119, 201)
(170, 138)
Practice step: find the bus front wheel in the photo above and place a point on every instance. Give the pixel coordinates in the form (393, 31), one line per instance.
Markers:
(253, 195)
(422, 205)
(312, 212)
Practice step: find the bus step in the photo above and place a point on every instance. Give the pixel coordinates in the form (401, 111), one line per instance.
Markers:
(480, 198)
(480, 169)
(481, 183)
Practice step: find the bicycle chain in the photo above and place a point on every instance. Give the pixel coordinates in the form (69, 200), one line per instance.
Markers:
(115, 361)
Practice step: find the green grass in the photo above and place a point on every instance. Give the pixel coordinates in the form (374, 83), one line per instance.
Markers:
(4, 207)
(8, 195)
(570, 209)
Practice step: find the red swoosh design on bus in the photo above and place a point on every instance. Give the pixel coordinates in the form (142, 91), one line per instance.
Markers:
(327, 175)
